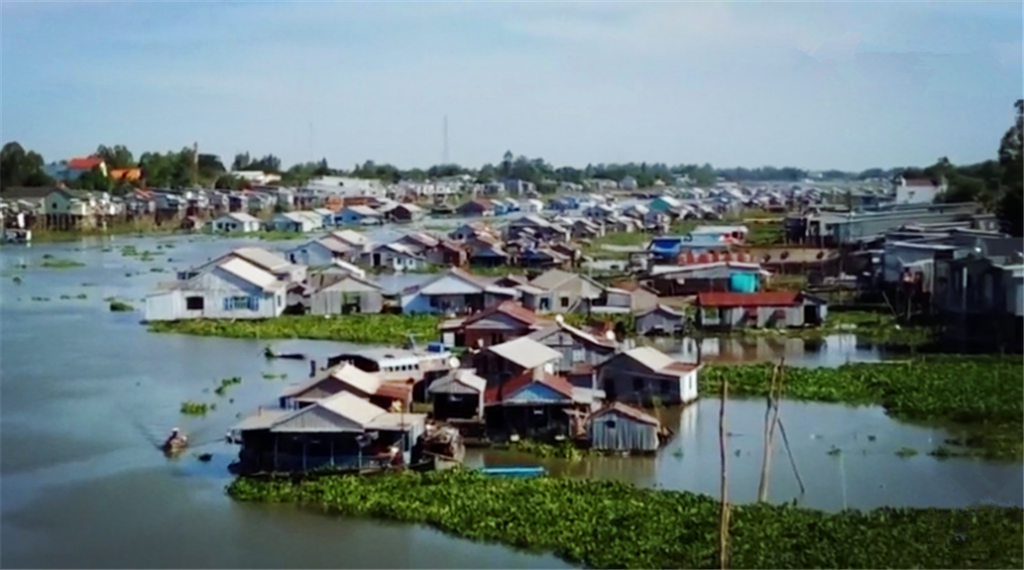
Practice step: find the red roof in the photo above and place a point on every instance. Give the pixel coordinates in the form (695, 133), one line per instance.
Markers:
(509, 308)
(85, 163)
(394, 391)
(498, 394)
(766, 299)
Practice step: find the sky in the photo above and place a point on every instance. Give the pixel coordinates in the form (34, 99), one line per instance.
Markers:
(813, 85)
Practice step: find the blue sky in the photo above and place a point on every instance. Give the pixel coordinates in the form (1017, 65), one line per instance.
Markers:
(814, 85)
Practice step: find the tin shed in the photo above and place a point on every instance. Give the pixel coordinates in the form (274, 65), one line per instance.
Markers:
(619, 427)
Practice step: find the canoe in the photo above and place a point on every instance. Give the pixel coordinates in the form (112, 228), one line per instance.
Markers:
(513, 471)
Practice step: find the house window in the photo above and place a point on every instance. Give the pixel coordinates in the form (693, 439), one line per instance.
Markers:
(545, 304)
(496, 338)
(240, 303)
(638, 385)
(578, 355)
(610, 424)
(712, 313)
(565, 302)
(194, 303)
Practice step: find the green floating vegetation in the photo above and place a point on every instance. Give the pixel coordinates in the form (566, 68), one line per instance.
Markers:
(269, 376)
(65, 297)
(227, 383)
(363, 328)
(17, 280)
(194, 408)
(81, 296)
(605, 524)
(52, 263)
(873, 327)
(906, 452)
(983, 394)
(156, 269)
(565, 450)
(42, 299)
(121, 307)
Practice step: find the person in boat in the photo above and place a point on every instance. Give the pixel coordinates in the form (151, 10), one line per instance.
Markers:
(175, 440)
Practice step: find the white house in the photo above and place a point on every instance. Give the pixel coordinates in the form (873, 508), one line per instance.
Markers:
(532, 206)
(320, 252)
(301, 222)
(236, 222)
(352, 238)
(231, 289)
(454, 291)
(268, 261)
(917, 191)
(395, 256)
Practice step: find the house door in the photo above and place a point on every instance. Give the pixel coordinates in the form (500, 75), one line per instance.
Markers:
(811, 315)
(376, 260)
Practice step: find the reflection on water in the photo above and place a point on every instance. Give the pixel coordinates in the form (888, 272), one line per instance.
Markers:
(864, 473)
(832, 350)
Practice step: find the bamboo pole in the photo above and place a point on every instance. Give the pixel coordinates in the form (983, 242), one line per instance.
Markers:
(774, 398)
(723, 530)
(792, 462)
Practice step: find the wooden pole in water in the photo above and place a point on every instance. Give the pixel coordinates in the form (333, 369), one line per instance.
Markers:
(775, 393)
(723, 530)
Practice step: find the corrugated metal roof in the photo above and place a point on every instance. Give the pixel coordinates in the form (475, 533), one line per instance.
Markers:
(263, 419)
(351, 237)
(351, 407)
(628, 411)
(525, 352)
(261, 258)
(657, 361)
(465, 377)
(364, 381)
(251, 273)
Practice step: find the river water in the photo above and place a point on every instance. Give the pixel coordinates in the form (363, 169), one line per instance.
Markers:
(87, 394)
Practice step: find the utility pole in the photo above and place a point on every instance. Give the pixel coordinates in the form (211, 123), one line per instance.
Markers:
(195, 163)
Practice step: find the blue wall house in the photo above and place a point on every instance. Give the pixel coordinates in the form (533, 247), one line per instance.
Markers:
(358, 215)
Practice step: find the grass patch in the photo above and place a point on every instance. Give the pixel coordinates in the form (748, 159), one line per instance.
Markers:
(195, 408)
(906, 452)
(981, 394)
(605, 524)
(269, 376)
(365, 329)
(227, 383)
(54, 263)
(279, 235)
(120, 307)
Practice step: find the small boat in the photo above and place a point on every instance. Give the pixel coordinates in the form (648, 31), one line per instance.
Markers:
(175, 443)
(290, 355)
(513, 471)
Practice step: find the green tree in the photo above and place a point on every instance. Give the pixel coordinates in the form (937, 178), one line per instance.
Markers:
(1011, 206)
(241, 162)
(95, 179)
(19, 167)
(117, 156)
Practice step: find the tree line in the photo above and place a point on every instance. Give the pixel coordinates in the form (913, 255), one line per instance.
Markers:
(994, 183)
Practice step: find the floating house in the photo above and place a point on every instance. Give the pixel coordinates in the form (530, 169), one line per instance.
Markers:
(232, 288)
(660, 320)
(321, 252)
(358, 215)
(341, 431)
(346, 378)
(236, 222)
(301, 222)
(344, 293)
(458, 395)
(644, 375)
(499, 323)
(454, 291)
(535, 404)
(622, 428)
(759, 310)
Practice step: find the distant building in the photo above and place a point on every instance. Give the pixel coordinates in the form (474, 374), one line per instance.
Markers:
(917, 190)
